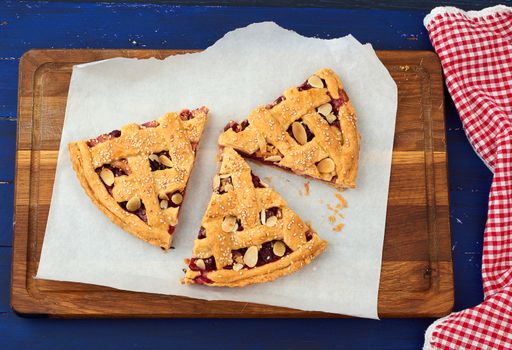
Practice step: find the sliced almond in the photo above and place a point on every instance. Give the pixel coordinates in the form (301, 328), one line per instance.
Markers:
(279, 248)
(262, 143)
(325, 166)
(216, 182)
(133, 204)
(165, 161)
(315, 82)
(330, 118)
(177, 198)
(228, 187)
(299, 132)
(263, 217)
(251, 256)
(273, 159)
(164, 204)
(324, 109)
(235, 227)
(237, 267)
(228, 224)
(271, 221)
(107, 176)
(154, 158)
(200, 264)
(224, 176)
(163, 195)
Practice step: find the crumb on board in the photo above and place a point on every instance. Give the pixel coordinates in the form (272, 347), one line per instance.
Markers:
(332, 219)
(405, 68)
(338, 227)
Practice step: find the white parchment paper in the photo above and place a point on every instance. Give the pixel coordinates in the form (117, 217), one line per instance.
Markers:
(246, 68)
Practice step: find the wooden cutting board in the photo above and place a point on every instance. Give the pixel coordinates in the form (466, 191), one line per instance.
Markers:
(416, 278)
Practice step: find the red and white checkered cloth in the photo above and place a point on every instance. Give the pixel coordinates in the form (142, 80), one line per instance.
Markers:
(475, 49)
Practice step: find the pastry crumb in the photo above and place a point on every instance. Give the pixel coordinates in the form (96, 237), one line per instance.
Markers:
(306, 187)
(332, 219)
(338, 227)
(405, 68)
(342, 200)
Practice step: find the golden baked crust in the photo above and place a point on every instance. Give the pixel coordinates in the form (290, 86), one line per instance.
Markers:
(137, 176)
(249, 234)
(311, 130)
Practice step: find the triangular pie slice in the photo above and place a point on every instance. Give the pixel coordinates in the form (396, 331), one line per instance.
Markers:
(249, 234)
(311, 130)
(138, 175)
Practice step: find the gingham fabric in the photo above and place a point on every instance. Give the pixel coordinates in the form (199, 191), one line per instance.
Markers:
(475, 49)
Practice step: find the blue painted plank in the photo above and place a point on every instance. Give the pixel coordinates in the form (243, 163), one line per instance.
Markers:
(5, 277)
(98, 25)
(20, 333)
(7, 148)
(6, 211)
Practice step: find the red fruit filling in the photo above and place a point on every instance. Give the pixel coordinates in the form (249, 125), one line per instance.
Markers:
(309, 134)
(150, 124)
(171, 229)
(115, 170)
(236, 127)
(186, 114)
(336, 104)
(276, 102)
(105, 137)
(202, 233)
(141, 212)
(265, 255)
(256, 181)
(157, 165)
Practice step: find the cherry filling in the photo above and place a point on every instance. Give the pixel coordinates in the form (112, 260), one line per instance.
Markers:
(274, 211)
(158, 165)
(309, 236)
(236, 127)
(336, 104)
(256, 181)
(304, 86)
(141, 212)
(239, 225)
(265, 255)
(104, 137)
(226, 185)
(170, 230)
(276, 102)
(202, 233)
(194, 146)
(150, 124)
(186, 114)
(115, 170)
(309, 134)
(209, 265)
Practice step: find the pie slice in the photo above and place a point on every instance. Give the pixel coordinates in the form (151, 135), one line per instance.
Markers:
(311, 130)
(248, 233)
(138, 175)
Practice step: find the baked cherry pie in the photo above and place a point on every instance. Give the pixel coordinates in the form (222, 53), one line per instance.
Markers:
(248, 234)
(138, 175)
(311, 130)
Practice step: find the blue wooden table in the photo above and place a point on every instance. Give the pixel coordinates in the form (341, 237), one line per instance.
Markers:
(26, 25)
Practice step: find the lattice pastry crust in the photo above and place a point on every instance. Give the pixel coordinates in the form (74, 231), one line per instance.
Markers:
(137, 176)
(311, 130)
(248, 234)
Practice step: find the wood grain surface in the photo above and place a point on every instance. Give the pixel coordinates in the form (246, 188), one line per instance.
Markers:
(416, 279)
